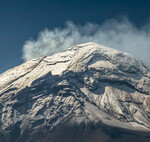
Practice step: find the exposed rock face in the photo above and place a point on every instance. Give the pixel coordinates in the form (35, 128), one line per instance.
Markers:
(86, 84)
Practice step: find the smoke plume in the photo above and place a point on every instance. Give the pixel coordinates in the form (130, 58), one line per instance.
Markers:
(118, 34)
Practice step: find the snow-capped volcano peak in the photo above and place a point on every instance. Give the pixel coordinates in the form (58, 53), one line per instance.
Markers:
(86, 83)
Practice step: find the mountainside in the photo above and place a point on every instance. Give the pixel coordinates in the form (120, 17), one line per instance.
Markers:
(87, 93)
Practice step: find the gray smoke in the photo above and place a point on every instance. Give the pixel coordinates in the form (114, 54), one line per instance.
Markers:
(118, 34)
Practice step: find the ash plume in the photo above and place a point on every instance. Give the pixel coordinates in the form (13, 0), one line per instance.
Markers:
(119, 34)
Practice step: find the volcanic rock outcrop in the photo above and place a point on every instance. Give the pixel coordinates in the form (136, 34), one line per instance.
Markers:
(87, 93)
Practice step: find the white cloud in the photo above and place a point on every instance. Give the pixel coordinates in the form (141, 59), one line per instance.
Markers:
(118, 34)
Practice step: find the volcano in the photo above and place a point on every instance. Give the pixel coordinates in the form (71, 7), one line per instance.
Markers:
(88, 93)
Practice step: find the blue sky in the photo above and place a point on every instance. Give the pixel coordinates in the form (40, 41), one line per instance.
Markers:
(21, 20)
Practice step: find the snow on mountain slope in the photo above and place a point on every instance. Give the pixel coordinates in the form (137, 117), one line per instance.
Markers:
(86, 83)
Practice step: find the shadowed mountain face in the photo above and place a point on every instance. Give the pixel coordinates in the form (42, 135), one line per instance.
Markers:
(88, 93)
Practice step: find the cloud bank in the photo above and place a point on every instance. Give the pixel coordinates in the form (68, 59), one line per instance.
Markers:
(119, 34)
